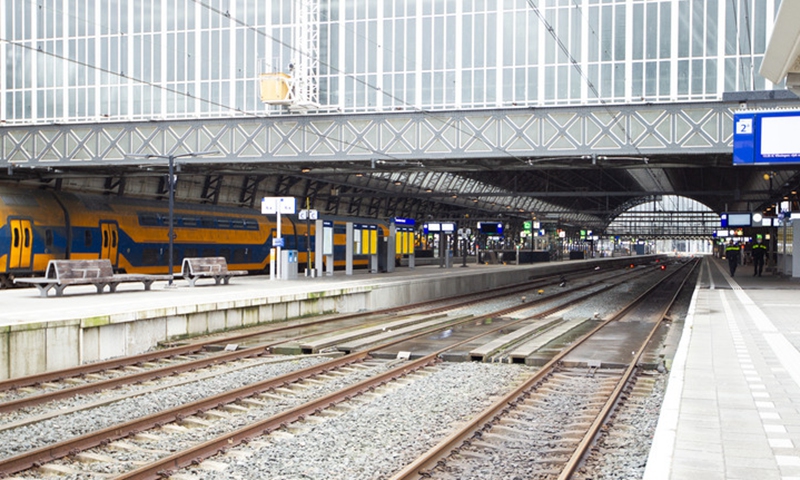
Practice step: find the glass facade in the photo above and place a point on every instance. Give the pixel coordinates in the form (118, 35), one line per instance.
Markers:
(89, 60)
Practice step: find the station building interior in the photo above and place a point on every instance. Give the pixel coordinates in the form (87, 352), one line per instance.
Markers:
(604, 127)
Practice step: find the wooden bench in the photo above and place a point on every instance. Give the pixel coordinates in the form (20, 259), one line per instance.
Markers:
(63, 273)
(195, 268)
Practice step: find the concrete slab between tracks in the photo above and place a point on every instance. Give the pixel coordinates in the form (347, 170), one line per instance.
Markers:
(42, 334)
(732, 406)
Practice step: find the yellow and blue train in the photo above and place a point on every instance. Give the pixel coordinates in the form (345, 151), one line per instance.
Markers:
(39, 225)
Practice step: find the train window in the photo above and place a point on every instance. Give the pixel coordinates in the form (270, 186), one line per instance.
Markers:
(189, 252)
(27, 237)
(209, 252)
(237, 223)
(239, 255)
(225, 252)
(16, 237)
(105, 238)
(208, 222)
(250, 224)
(148, 219)
(113, 239)
(87, 238)
(48, 238)
(190, 221)
(150, 256)
(223, 223)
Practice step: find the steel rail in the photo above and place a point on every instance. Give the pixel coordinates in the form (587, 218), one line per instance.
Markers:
(454, 440)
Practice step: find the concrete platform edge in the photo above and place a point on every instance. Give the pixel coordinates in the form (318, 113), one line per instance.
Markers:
(658, 462)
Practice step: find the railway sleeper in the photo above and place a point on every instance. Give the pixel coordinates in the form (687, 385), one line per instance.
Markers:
(129, 447)
(312, 382)
(233, 408)
(471, 454)
(213, 466)
(91, 457)
(584, 426)
(331, 413)
(253, 403)
(58, 469)
(173, 428)
(501, 439)
(554, 459)
(146, 437)
(215, 414)
(316, 419)
(298, 429)
(522, 424)
(269, 396)
(481, 445)
(285, 391)
(278, 435)
(195, 422)
(506, 431)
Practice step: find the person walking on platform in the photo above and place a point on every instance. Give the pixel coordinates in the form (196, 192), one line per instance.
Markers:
(732, 254)
(759, 253)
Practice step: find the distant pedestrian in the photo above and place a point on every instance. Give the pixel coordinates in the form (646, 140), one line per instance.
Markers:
(732, 254)
(759, 253)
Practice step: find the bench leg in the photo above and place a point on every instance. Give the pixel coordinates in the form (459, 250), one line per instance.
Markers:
(112, 287)
(191, 280)
(147, 284)
(217, 279)
(43, 289)
(60, 290)
(226, 280)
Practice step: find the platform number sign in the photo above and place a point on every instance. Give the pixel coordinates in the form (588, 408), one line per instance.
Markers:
(744, 126)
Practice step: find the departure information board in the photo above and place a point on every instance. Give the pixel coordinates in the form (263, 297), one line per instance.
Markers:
(766, 137)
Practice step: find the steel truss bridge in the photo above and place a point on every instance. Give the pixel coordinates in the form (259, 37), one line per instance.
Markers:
(580, 162)
(510, 135)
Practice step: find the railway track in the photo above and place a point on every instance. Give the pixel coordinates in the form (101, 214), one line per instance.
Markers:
(548, 394)
(222, 407)
(19, 394)
(14, 388)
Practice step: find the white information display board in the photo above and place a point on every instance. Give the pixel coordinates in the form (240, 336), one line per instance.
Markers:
(275, 205)
(327, 240)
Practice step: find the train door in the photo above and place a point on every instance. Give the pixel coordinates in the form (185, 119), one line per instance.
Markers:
(109, 247)
(21, 251)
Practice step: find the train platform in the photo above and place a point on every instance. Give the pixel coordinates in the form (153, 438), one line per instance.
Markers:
(732, 406)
